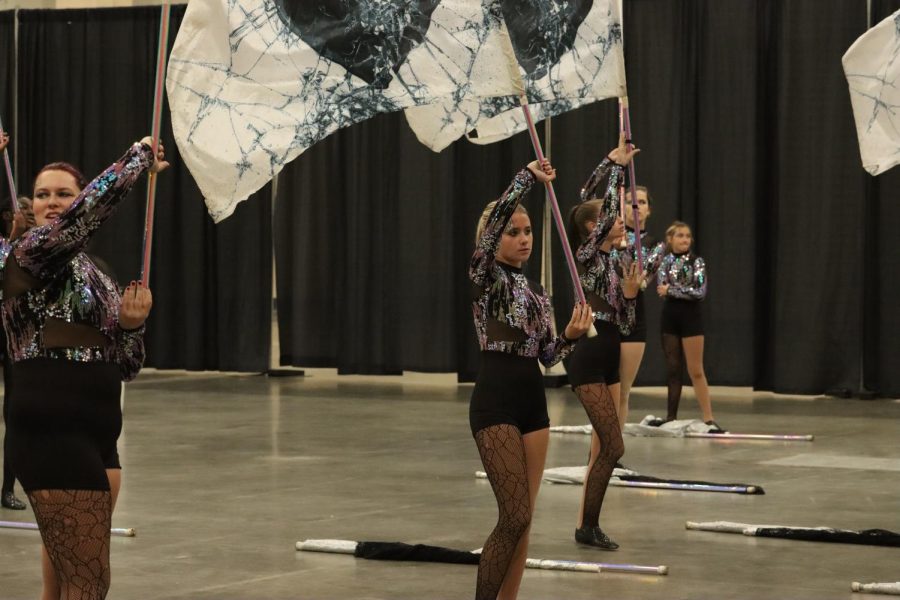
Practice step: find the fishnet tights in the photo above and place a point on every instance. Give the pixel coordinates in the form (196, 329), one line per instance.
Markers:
(74, 525)
(502, 452)
(674, 367)
(601, 411)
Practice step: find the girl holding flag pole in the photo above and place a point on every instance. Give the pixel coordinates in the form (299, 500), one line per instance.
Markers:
(508, 409)
(596, 228)
(68, 359)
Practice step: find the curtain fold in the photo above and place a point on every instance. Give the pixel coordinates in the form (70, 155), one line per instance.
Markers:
(882, 263)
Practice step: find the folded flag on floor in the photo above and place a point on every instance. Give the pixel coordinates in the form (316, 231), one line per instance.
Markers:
(868, 537)
(425, 553)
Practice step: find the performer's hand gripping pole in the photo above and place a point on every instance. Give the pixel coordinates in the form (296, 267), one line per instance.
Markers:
(519, 84)
(154, 132)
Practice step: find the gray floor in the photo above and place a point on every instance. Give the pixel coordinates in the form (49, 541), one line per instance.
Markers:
(224, 473)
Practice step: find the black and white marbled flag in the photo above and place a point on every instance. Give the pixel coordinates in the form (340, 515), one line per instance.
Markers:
(570, 54)
(872, 67)
(254, 83)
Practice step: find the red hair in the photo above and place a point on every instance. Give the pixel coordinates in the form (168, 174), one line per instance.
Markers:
(66, 168)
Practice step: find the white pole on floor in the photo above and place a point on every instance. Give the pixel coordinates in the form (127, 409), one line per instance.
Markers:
(126, 532)
(752, 436)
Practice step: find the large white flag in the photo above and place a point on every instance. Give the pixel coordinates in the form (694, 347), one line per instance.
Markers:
(254, 83)
(872, 67)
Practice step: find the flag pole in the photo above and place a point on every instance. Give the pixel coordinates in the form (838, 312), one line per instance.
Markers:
(9, 177)
(519, 85)
(156, 126)
(621, 181)
(632, 180)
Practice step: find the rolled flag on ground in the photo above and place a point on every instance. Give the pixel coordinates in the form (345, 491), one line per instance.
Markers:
(571, 54)
(253, 83)
(868, 537)
(425, 553)
(872, 67)
(889, 589)
(686, 428)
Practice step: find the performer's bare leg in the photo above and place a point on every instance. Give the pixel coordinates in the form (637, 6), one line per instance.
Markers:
(693, 354)
(629, 362)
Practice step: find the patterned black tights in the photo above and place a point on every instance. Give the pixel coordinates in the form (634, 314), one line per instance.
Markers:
(601, 411)
(674, 367)
(75, 525)
(502, 452)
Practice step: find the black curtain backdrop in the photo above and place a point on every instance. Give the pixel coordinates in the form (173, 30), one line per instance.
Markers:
(85, 94)
(743, 114)
(882, 262)
(7, 91)
(744, 118)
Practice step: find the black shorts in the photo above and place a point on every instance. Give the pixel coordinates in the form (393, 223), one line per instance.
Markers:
(596, 359)
(683, 318)
(639, 331)
(509, 391)
(64, 422)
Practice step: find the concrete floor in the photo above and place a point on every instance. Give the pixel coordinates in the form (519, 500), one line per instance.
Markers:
(224, 473)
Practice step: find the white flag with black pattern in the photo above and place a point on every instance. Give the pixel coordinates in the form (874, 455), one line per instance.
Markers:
(872, 67)
(253, 83)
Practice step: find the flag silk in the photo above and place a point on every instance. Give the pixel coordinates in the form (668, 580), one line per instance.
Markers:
(571, 54)
(254, 83)
(872, 67)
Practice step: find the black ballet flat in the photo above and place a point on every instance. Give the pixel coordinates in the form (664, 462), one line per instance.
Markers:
(594, 536)
(715, 427)
(9, 500)
(655, 422)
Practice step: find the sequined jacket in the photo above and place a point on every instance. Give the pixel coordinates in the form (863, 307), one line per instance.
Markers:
(599, 271)
(652, 253)
(511, 314)
(685, 274)
(72, 288)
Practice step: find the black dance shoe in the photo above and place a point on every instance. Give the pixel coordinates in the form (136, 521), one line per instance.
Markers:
(715, 428)
(9, 500)
(594, 536)
(655, 422)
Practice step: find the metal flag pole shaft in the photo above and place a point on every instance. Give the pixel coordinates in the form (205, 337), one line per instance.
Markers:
(154, 132)
(685, 487)
(752, 436)
(119, 531)
(9, 177)
(554, 204)
(519, 85)
(626, 123)
(622, 181)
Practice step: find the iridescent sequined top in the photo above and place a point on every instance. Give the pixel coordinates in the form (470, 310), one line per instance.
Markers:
(512, 315)
(652, 253)
(599, 271)
(70, 287)
(685, 274)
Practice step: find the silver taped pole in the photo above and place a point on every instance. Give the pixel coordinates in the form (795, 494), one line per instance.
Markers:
(117, 531)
